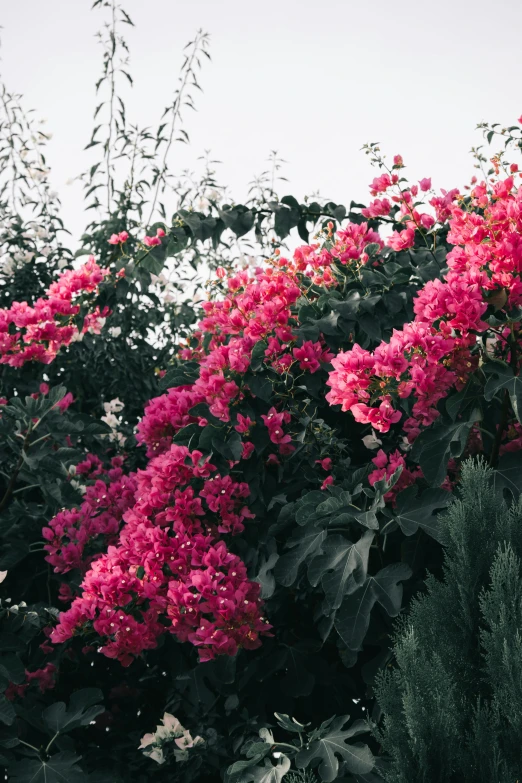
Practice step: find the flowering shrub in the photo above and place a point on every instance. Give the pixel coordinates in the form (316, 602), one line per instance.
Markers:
(168, 569)
(40, 331)
(232, 486)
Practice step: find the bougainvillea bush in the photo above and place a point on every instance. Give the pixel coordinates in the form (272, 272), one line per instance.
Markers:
(223, 460)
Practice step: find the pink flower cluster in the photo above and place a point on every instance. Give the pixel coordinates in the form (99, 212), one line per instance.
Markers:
(386, 465)
(118, 239)
(164, 416)
(257, 308)
(44, 678)
(38, 332)
(72, 531)
(169, 570)
(347, 248)
(435, 351)
(274, 423)
(153, 241)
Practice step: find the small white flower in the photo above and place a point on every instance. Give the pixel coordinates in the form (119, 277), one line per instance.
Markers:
(81, 488)
(146, 740)
(115, 331)
(8, 266)
(405, 445)
(490, 345)
(24, 256)
(3, 575)
(372, 441)
(214, 195)
(111, 420)
(172, 723)
(155, 755)
(113, 406)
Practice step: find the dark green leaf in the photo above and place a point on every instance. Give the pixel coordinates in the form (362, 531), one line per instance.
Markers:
(353, 618)
(358, 758)
(414, 511)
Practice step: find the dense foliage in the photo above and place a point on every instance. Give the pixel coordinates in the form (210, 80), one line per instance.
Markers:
(223, 460)
(453, 706)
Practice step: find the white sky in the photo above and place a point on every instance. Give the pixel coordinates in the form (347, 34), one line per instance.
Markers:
(312, 79)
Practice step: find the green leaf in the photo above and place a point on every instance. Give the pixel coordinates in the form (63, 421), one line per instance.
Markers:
(413, 511)
(236, 771)
(290, 724)
(501, 377)
(285, 219)
(268, 773)
(341, 568)
(328, 323)
(183, 375)
(370, 324)
(349, 307)
(12, 667)
(60, 768)
(353, 618)
(232, 448)
(264, 574)
(305, 542)
(468, 397)
(508, 474)
(7, 712)
(260, 386)
(82, 710)
(258, 355)
(239, 219)
(434, 447)
(358, 757)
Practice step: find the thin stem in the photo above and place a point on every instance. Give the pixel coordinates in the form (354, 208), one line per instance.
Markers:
(175, 109)
(112, 81)
(12, 480)
(51, 742)
(23, 489)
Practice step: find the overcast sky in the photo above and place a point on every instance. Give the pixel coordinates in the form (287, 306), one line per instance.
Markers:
(312, 79)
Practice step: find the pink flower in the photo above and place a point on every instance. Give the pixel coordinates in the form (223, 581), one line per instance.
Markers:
(329, 480)
(160, 232)
(380, 184)
(325, 463)
(308, 356)
(427, 221)
(248, 449)
(151, 241)
(44, 388)
(65, 402)
(398, 161)
(380, 418)
(118, 239)
(401, 240)
(377, 208)
(244, 423)
(425, 184)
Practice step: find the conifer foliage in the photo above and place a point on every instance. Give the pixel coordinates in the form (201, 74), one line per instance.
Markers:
(453, 704)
